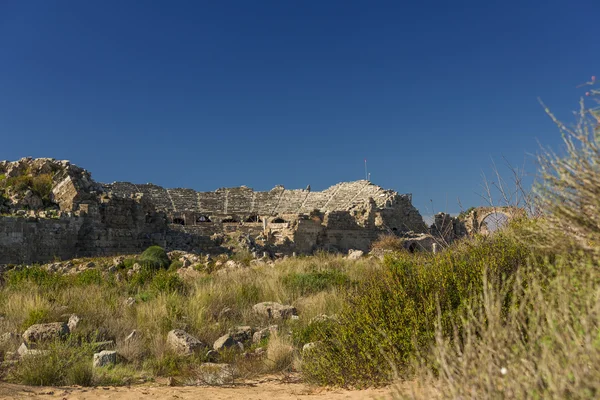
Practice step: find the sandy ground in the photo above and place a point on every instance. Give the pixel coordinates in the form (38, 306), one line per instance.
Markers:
(264, 389)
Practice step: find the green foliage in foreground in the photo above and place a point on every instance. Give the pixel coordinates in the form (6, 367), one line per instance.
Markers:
(154, 257)
(60, 364)
(392, 316)
(313, 282)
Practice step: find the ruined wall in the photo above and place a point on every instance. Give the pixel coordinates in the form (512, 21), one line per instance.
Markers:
(119, 218)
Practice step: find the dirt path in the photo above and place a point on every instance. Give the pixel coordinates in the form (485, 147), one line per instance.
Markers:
(266, 389)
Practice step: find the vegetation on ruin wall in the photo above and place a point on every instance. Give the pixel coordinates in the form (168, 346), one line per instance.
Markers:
(40, 185)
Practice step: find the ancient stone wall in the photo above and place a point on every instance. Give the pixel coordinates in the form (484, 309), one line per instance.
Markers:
(120, 218)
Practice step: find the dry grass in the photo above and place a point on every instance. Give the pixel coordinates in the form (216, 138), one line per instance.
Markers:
(388, 242)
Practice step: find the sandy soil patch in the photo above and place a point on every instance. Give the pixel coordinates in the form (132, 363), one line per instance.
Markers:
(254, 390)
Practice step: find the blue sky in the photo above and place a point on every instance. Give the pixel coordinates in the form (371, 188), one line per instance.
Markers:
(258, 93)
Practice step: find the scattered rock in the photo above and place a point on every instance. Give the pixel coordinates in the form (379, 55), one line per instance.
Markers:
(130, 301)
(46, 332)
(212, 356)
(7, 337)
(105, 358)
(216, 374)
(308, 347)
(241, 333)
(233, 264)
(25, 351)
(264, 333)
(355, 254)
(223, 342)
(182, 342)
(73, 322)
(274, 310)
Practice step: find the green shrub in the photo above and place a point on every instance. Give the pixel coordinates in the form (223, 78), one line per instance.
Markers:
(313, 282)
(35, 316)
(128, 263)
(391, 316)
(19, 183)
(154, 257)
(62, 363)
(175, 265)
(168, 282)
(89, 277)
(42, 186)
(34, 275)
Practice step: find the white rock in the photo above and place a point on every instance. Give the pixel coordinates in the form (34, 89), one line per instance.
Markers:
(105, 358)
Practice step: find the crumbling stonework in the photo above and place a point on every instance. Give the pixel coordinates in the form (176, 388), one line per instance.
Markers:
(447, 229)
(80, 217)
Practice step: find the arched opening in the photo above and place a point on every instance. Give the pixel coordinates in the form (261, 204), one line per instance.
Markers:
(412, 247)
(278, 220)
(202, 219)
(253, 218)
(230, 220)
(394, 230)
(492, 222)
(179, 221)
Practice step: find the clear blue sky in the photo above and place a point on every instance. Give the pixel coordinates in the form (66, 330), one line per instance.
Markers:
(258, 93)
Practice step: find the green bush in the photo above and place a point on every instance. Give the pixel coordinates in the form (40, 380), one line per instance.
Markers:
(36, 275)
(313, 282)
(167, 282)
(154, 257)
(175, 265)
(19, 183)
(391, 316)
(63, 363)
(35, 316)
(89, 277)
(42, 186)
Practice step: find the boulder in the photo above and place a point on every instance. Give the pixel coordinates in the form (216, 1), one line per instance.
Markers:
(73, 322)
(241, 333)
(46, 332)
(25, 351)
(309, 347)
(105, 358)
(274, 310)
(224, 342)
(355, 254)
(182, 342)
(264, 333)
(8, 337)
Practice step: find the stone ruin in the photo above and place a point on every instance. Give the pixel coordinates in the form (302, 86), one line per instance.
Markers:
(77, 217)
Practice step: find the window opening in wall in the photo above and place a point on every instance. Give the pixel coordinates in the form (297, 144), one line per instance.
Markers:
(229, 220)
(179, 221)
(203, 218)
(278, 220)
(253, 218)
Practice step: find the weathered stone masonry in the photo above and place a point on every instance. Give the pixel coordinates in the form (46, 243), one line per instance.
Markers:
(92, 219)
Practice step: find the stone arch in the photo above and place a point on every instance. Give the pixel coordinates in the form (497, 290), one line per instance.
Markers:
(253, 218)
(202, 219)
(278, 220)
(475, 219)
(230, 220)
